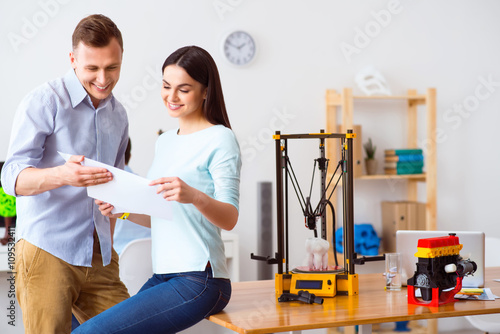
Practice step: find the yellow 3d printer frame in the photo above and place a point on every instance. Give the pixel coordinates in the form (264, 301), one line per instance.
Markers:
(291, 285)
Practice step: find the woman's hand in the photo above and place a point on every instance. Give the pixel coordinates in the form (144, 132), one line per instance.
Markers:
(223, 215)
(139, 219)
(106, 208)
(174, 189)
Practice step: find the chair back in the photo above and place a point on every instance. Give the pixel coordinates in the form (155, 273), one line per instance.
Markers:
(489, 323)
(491, 251)
(135, 264)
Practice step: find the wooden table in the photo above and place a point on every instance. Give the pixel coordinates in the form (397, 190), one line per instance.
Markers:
(254, 309)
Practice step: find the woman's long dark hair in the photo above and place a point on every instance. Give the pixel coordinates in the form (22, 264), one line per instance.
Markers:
(200, 66)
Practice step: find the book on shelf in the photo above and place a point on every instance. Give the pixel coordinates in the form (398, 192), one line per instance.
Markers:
(404, 151)
(403, 161)
(403, 171)
(404, 164)
(405, 157)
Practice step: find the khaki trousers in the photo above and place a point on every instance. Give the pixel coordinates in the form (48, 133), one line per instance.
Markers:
(49, 289)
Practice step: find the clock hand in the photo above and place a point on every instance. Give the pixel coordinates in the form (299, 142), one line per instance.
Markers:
(231, 44)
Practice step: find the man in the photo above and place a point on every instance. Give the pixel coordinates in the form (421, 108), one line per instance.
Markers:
(64, 257)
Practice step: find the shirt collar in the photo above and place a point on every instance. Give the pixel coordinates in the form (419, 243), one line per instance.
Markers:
(76, 91)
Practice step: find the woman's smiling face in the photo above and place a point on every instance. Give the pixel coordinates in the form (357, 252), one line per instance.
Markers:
(182, 95)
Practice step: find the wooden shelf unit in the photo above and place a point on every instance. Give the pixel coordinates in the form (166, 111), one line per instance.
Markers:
(344, 102)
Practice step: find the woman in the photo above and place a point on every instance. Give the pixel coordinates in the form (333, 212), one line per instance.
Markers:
(197, 168)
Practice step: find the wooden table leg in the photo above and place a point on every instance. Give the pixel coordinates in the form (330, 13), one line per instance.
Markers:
(350, 330)
(432, 326)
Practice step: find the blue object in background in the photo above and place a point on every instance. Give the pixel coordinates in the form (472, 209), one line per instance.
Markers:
(366, 241)
(402, 326)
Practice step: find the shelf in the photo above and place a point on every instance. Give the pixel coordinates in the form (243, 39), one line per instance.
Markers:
(342, 103)
(335, 99)
(412, 177)
(418, 177)
(393, 97)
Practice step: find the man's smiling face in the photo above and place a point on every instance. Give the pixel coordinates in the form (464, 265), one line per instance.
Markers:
(97, 68)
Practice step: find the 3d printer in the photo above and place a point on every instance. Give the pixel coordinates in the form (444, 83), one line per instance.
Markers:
(303, 285)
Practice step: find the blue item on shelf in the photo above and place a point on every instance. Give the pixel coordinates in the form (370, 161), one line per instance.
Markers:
(366, 241)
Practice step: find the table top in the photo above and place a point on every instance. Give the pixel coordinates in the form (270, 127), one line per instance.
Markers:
(254, 309)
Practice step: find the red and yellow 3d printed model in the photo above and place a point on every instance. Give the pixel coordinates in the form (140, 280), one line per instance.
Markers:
(440, 267)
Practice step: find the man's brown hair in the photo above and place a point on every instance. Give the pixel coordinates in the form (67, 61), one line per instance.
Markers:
(96, 31)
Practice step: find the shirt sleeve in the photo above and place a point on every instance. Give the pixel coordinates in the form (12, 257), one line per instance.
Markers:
(225, 170)
(33, 122)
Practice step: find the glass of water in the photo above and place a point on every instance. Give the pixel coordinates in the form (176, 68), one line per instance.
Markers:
(392, 271)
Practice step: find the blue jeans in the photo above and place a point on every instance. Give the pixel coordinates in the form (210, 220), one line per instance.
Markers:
(166, 303)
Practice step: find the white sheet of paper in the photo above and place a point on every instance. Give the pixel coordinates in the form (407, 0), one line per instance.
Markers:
(127, 192)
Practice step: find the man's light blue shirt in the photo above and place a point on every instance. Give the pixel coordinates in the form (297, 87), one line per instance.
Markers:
(59, 116)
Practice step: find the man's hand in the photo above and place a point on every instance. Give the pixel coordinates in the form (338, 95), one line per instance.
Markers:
(34, 181)
(74, 174)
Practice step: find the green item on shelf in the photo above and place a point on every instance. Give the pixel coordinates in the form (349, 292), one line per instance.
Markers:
(370, 149)
(7, 204)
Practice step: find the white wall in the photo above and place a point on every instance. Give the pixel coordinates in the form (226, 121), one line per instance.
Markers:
(450, 45)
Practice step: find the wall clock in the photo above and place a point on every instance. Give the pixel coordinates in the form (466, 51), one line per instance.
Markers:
(239, 48)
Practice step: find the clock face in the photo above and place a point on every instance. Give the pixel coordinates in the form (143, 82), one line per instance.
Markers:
(239, 48)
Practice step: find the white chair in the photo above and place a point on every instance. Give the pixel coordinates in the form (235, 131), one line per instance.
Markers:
(489, 323)
(135, 264)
